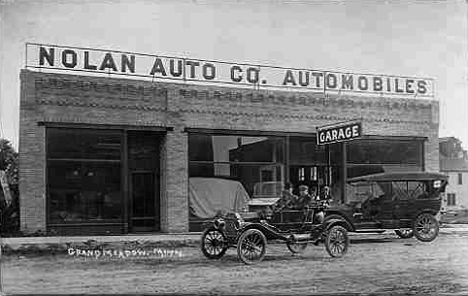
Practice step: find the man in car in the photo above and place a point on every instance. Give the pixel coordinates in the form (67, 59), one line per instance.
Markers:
(324, 196)
(287, 200)
(304, 198)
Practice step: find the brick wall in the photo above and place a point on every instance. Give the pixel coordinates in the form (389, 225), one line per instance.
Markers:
(96, 100)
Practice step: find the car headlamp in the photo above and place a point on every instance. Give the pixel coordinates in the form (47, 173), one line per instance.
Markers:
(219, 223)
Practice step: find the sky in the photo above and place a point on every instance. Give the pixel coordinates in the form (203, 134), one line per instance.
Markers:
(421, 38)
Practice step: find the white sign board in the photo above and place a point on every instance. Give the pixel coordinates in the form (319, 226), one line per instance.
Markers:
(182, 69)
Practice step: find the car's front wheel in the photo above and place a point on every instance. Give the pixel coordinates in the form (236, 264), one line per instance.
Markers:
(337, 241)
(251, 246)
(404, 233)
(213, 243)
(426, 227)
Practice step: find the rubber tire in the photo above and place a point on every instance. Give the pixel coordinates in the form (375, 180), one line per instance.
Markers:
(328, 241)
(434, 222)
(404, 235)
(242, 238)
(203, 247)
(296, 248)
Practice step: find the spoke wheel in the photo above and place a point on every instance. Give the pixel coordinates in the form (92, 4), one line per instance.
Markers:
(337, 241)
(213, 243)
(404, 233)
(251, 246)
(295, 247)
(426, 227)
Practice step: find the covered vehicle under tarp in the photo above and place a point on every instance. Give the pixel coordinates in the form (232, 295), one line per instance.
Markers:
(208, 196)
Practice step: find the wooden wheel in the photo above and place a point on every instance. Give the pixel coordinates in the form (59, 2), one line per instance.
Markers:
(213, 243)
(337, 241)
(251, 246)
(426, 227)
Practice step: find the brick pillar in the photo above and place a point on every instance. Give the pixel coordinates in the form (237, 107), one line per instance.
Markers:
(431, 146)
(174, 189)
(32, 160)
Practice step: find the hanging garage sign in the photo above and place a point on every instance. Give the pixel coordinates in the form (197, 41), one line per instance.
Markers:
(182, 69)
(339, 133)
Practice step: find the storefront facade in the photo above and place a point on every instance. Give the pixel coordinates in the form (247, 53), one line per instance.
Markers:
(112, 156)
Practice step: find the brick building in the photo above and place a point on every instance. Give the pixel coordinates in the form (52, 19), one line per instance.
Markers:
(108, 155)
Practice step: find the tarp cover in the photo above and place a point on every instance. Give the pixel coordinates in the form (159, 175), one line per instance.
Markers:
(210, 195)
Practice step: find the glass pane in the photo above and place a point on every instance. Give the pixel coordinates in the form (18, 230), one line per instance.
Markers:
(235, 148)
(83, 143)
(384, 152)
(362, 170)
(249, 175)
(143, 195)
(306, 151)
(143, 150)
(80, 192)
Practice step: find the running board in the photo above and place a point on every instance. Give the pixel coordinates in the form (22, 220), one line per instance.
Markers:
(371, 230)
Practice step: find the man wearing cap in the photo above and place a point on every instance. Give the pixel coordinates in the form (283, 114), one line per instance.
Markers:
(304, 198)
(287, 200)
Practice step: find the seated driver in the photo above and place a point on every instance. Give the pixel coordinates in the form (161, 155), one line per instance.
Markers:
(287, 200)
(304, 199)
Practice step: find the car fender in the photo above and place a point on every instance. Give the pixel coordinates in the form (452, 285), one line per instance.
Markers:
(267, 230)
(423, 211)
(340, 220)
(430, 211)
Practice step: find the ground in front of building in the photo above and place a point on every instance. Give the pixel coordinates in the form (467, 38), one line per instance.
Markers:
(379, 264)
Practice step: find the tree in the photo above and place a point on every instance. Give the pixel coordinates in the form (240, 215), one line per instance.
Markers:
(9, 212)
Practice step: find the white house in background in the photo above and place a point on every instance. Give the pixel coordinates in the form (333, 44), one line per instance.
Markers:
(456, 193)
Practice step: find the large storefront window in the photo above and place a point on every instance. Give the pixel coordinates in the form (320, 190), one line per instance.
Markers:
(315, 165)
(83, 175)
(223, 168)
(369, 156)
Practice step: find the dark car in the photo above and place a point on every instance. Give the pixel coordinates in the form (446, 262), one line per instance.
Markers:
(249, 232)
(405, 202)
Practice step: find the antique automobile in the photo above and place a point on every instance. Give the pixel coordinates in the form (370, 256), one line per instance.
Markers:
(249, 233)
(407, 203)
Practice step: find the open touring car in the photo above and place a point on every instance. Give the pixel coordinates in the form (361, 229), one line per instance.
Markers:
(249, 233)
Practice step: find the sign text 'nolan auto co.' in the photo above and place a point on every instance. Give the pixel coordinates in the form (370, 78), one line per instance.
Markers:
(339, 133)
(178, 69)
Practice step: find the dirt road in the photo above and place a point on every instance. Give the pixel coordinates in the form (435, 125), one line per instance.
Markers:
(377, 265)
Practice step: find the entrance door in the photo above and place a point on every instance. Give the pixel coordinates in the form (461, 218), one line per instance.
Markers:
(144, 202)
(143, 181)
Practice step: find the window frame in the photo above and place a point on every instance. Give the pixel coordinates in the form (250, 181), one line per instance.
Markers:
(83, 162)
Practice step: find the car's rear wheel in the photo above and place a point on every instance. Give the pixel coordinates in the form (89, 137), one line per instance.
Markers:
(337, 241)
(404, 233)
(251, 246)
(296, 247)
(426, 227)
(213, 243)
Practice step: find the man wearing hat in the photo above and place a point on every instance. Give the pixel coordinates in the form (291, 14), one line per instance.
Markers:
(287, 200)
(304, 198)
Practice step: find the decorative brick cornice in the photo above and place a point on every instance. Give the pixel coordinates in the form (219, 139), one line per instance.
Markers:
(100, 120)
(85, 88)
(303, 116)
(94, 104)
(303, 99)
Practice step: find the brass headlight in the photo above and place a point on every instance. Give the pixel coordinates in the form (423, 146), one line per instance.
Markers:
(219, 223)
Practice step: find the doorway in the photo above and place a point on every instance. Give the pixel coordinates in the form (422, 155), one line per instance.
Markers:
(144, 181)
